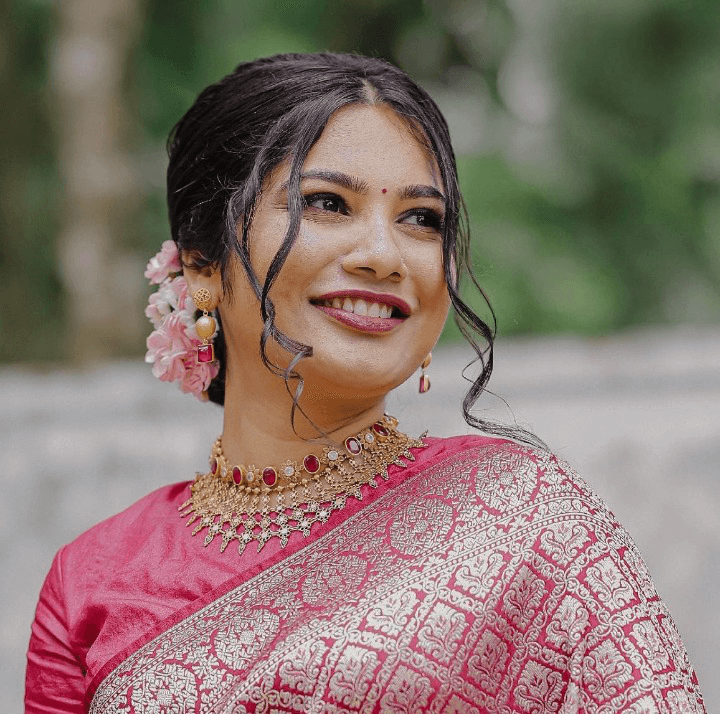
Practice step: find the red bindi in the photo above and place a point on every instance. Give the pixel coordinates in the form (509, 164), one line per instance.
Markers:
(384, 190)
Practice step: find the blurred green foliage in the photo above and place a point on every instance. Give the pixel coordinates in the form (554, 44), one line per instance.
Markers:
(588, 137)
(31, 308)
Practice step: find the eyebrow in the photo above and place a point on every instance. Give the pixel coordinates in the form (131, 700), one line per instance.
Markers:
(351, 183)
(420, 191)
(337, 177)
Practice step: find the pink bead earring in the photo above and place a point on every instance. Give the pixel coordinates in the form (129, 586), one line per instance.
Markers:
(204, 326)
(424, 379)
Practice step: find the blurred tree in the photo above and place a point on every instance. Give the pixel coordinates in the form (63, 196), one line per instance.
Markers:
(102, 282)
(640, 119)
(31, 300)
(598, 206)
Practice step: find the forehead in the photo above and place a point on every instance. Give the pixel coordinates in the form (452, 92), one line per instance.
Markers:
(374, 143)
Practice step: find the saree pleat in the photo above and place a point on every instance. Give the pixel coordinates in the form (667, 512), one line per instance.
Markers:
(491, 580)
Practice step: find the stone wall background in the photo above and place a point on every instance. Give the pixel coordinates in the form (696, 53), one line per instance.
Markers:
(637, 415)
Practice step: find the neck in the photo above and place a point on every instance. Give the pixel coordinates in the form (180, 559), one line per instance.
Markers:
(257, 427)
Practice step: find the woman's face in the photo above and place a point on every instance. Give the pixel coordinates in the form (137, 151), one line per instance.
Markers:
(363, 283)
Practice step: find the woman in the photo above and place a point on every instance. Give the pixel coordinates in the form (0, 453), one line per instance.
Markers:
(337, 564)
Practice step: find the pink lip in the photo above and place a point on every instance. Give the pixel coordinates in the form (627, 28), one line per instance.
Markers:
(362, 322)
(369, 297)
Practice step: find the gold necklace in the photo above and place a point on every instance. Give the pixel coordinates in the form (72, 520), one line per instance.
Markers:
(246, 503)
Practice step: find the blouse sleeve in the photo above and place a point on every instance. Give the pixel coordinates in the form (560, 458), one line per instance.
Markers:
(54, 682)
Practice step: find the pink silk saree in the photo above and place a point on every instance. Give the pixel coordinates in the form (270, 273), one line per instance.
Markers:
(486, 577)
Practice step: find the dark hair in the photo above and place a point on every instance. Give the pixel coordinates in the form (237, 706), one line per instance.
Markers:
(239, 129)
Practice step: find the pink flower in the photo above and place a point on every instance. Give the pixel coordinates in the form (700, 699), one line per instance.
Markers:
(161, 265)
(170, 296)
(197, 377)
(158, 306)
(167, 346)
(172, 345)
(180, 288)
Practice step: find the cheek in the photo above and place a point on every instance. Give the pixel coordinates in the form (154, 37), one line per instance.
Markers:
(313, 256)
(437, 299)
(266, 237)
(310, 253)
(431, 278)
(442, 301)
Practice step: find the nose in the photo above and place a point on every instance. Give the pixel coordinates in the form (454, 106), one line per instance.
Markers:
(376, 253)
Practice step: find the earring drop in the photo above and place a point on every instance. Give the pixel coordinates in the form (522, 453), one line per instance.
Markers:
(424, 379)
(204, 326)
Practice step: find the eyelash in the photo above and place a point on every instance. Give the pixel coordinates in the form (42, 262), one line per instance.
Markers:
(311, 198)
(434, 218)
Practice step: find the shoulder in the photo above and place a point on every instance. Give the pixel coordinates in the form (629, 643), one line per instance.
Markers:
(495, 461)
(533, 497)
(506, 476)
(532, 529)
(157, 505)
(503, 492)
(112, 542)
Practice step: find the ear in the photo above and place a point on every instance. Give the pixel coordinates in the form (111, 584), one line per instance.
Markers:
(206, 277)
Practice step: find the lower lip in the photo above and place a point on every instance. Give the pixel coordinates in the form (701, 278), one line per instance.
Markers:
(362, 323)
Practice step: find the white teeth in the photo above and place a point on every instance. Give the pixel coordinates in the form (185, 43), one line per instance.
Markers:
(359, 307)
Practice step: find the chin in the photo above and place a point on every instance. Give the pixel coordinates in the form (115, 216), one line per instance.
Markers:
(357, 380)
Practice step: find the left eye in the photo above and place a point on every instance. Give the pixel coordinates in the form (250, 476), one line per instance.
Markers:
(325, 202)
(424, 219)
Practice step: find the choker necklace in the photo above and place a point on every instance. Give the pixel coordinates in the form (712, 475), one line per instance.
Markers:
(246, 503)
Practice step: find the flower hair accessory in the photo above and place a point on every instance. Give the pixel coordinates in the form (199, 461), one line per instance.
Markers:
(172, 345)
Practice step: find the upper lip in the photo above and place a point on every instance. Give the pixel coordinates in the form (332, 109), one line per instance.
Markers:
(385, 298)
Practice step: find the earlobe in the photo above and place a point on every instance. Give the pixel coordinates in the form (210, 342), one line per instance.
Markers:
(207, 277)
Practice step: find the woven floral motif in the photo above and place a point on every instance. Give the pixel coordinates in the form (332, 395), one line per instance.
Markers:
(494, 581)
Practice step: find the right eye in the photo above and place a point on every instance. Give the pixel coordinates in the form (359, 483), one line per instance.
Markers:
(327, 202)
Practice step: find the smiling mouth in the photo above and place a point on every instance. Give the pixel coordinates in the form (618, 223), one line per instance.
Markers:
(364, 312)
(362, 308)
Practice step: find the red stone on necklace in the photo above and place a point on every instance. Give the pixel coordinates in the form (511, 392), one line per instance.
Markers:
(311, 464)
(353, 445)
(269, 476)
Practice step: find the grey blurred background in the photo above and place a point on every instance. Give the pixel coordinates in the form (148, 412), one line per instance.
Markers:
(588, 142)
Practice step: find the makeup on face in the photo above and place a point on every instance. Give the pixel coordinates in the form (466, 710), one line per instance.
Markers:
(363, 283)
(363, 310)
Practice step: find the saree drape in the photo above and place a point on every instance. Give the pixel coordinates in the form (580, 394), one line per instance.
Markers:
(486, 578)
